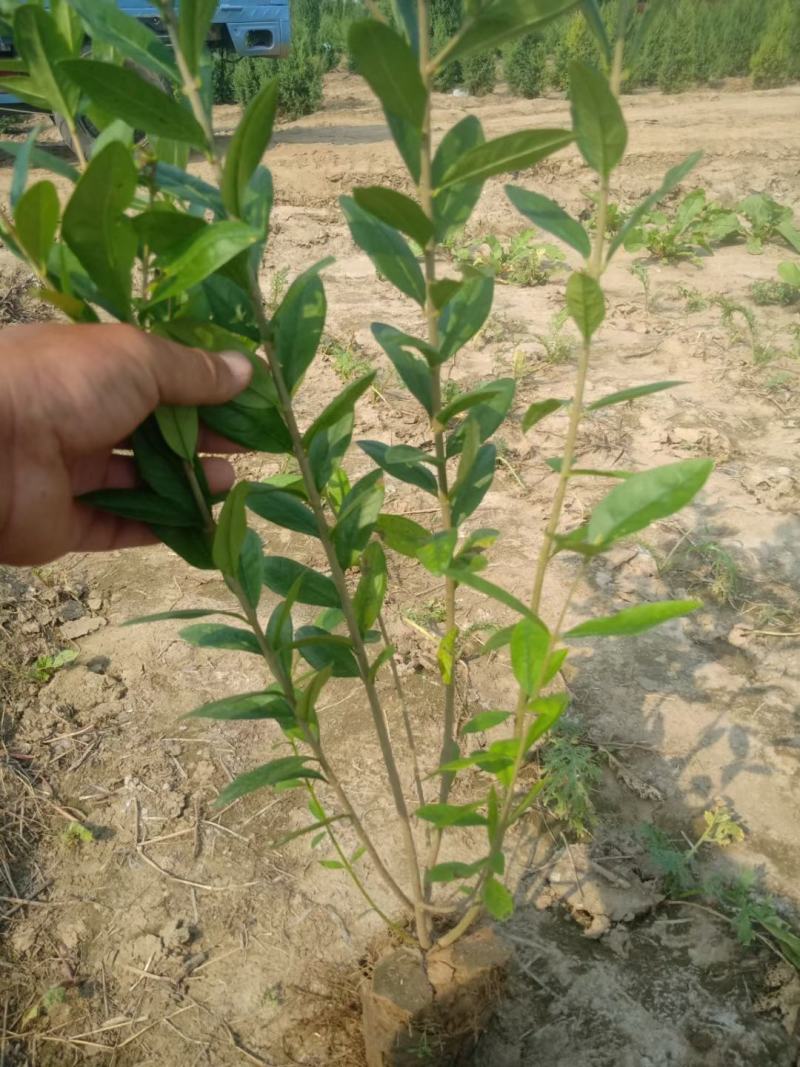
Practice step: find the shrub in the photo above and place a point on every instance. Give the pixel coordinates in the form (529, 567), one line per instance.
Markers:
(249, 75)
(742, 24)
(299, 80)
(526, 67)
(223, 64)
(446, 17)
(480, 73)
(777, 59)
(678, 69)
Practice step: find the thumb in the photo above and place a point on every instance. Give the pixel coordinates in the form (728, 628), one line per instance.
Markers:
(188, 376)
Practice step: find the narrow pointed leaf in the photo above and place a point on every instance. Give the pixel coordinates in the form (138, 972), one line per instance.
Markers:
(645, 497)
(283, 509)
(635, 620)
(134, 40)
(281, 575)
(499, 902)
(414, 372)
(631, 394)
(463, 317)
(298, 324)
(181, 613)
(322, 651)
(343, 404)
(515, 151)
(412, 472)
(36, 221)
(549, 216)
(203, 255)
(246, 707)
(600, 129)
(586, 304)
(396, 210)
(445, 815)
(540, 410)
(211, 635)
(278, 772)
(386, 248)
(529, 645)
(231, 531)
(248, 146)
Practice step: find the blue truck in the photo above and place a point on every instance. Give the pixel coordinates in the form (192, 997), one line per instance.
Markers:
(249, 29)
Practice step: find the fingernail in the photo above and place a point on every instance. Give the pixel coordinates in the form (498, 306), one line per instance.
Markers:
(239, 366)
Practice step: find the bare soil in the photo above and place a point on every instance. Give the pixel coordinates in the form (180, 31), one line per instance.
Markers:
(179, 934)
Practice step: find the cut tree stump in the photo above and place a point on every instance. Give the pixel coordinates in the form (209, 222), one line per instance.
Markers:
(433, 1009)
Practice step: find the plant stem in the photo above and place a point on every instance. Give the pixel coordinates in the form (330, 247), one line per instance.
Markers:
(432, 321)
(412, 744)
(359, 648)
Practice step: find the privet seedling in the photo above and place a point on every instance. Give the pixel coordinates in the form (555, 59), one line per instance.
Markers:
(141, 239)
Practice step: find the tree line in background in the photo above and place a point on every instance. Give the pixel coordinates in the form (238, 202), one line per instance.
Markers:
(691, 42)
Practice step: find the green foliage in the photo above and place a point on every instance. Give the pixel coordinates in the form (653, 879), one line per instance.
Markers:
(572, 773)
(678, 68)
(524, 260)
(776, 61)
(697, 225)
(479, 73)
(223, 66)
(45, 666)
(183, 262)
(525, 67)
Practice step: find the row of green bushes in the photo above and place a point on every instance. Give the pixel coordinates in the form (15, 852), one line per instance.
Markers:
(691, 42)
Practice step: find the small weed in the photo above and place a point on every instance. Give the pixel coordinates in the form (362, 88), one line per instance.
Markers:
(572, 772)
(697, 225)
(451, 391)
(54, 996)
(346, 360)
(278, 284)
(751, 912)
(774, 294)
(431, 614)
(77, 834)
(738, 320)
(615, 216)
(707, 566)
(765, 220)
(641, 272)
(45, 667)
(558, 347)
(524, 260)
(693, 298)
(503, 329)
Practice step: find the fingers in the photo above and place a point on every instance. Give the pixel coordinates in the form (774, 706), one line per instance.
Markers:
(189, 377)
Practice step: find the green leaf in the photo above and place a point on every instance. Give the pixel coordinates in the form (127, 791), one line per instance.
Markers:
(41, 46)
(130, 97)
(594, 20)
(436, 554)
(281, 575)
(790, 273)
(95, 226)
(631, 394)
(251, 568)
(481, 585)
(414, 372)
(548, 711)
(372, 586)
(203, 255)
(540, 410)
(282, 509)
(358, 516)
(261, 431)
(635, 620)
(485, 720)
(298, 324)
(499, 639)
(391, 69)
(142, 506)
(193, 29)
(197, 193)
(452, 207)
(248, 146)
(323, 650)
(246, 707)
(556, 464)
(231, 530)
(19, 178)
(499, 902)
(600, 129)
(180, 428)
(343, 404)
(586, 303)
(470, 400)
(278, 772)
(465, 315)
(396, 210)
(36, 221)
(211, 635)
(410, 471)
(672, 180)
(192, 545)
(130, 37)
(515, 151)
(327, 448)
(388, 251)
(40, 158)
(494, 22)
(548, 215)
(402, 534)
(453, 871)
(645, 497)
(445, 815)
(446, 653)
(182, 613)
(487, 416)
(469, 493)
(530, 642)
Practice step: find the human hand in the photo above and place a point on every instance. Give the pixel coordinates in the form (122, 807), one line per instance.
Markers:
(69, 397)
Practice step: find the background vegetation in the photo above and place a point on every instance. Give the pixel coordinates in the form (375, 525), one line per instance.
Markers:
(690, 43)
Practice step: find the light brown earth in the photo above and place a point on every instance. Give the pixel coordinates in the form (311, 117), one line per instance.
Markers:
(208, 946)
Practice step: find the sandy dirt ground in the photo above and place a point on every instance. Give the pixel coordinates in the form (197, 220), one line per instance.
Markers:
(180, 935)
